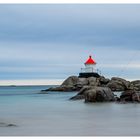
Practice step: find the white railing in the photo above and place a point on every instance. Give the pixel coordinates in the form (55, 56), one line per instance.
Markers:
(84, 70)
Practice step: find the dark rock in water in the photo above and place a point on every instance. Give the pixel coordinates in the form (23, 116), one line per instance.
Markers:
(73, 83)
(94, 89)
(81, 94)
(136, 96)
(43, 92)
(95, 94)
(11, 125)
(136, 82)
(77, 97)
(68, 85)
(98, 89)
(127, 95)
(118, 84)
(135, 85)
(70, 81)
(130, 96)
(61, 88)
(99, 94)
(7, 125)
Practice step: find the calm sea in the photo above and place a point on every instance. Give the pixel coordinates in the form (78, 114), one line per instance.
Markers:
(54, 114)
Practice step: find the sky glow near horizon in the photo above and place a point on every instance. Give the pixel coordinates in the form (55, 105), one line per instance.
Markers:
(53, 41)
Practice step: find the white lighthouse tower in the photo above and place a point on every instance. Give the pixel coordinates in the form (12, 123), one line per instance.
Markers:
(89, 70)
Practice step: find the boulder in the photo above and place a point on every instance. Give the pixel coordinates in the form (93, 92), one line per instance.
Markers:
(103, 81)
(130, 96)
(135, 85)
(118, 84)
(73, 83)
(70, 81)
(136, 97)
(95, 94)
(60, 88)
(99, 94)
(68, 85)
(81, 82)
(81, 94)
(93, 81)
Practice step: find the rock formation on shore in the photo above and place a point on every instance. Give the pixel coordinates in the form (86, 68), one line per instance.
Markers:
(100, 89)
(95, 94)
(130, 96)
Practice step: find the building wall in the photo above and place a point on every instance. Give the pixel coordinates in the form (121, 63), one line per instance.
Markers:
(89, 68)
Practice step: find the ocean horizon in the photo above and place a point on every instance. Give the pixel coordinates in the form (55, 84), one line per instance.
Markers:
(31, 82)
(37, 82)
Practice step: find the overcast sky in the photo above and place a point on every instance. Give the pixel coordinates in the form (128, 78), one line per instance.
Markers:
(54, 41)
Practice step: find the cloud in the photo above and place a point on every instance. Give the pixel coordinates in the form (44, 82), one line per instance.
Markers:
(54, 41)
(88, 24)
(121, 66)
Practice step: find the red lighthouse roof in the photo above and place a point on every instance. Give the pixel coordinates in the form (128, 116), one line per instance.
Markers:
(90, 61)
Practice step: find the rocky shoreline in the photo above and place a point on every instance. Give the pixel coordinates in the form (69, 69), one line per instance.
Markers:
(100, 89)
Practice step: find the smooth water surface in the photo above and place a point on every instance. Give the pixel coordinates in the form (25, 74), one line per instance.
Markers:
(54, 114)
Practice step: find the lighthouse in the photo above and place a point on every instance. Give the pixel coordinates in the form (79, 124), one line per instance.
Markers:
(90, 65)
(89, 70)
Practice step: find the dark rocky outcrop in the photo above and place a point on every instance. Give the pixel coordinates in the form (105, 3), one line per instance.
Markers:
(99, 89)
(130, 96)
(60, 88)
(70, 81)
(135, 85)
(99, 94)
(95, 94)
(68, 85)
(93, 81)
(103, 81)
(74, 83)
(81, 82)
(81, 93)
(118, 84)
